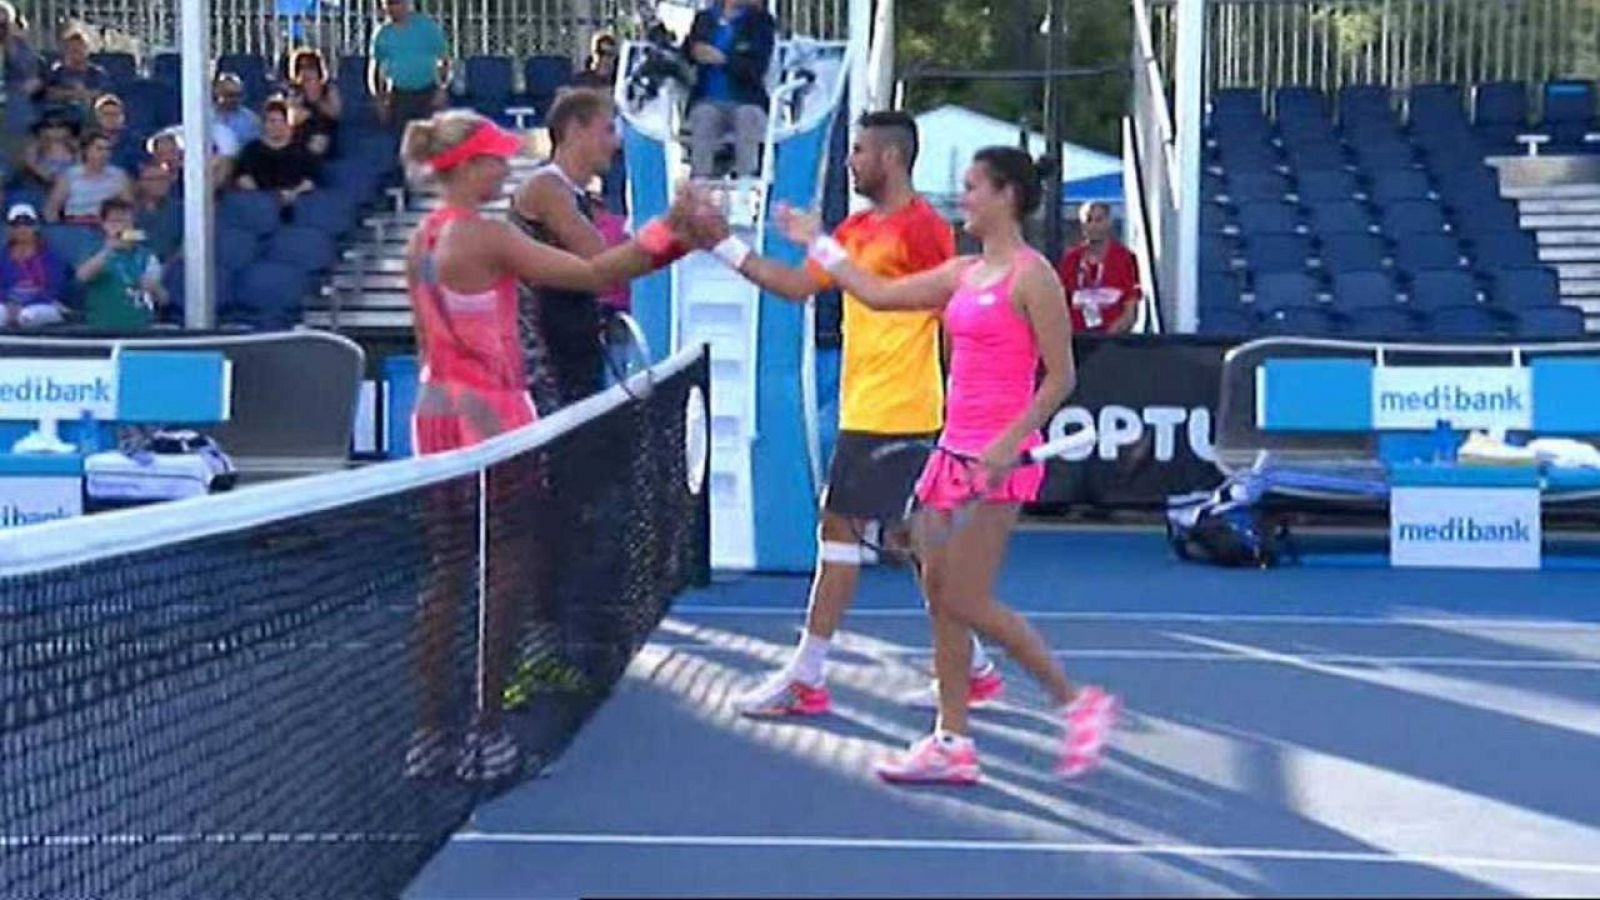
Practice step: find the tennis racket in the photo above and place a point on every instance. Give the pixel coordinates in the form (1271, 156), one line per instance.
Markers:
(627, 354)
(922, 528)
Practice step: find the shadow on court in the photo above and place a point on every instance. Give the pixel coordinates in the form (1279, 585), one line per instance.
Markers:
(1346, 747)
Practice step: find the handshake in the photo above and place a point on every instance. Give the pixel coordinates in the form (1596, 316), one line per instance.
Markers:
(698, 219)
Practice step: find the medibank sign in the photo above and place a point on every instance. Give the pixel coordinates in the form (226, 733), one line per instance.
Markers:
(1417, 397)
(57, 388)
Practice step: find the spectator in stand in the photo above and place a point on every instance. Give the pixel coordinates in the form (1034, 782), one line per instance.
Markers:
(52, 152)
(1101, 276)
(166, 148)
(600, 72)
(20, 67)
(111, 118)
(30, 275)
(227, 94)
(154, 211)
(80, 194)
(277, 162)
(314, 104)
(74, 82)
(122, 278)
(731, 44)
(409, 65)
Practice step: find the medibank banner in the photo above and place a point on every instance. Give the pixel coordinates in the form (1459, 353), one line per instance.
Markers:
(1465, 528)
(1418, 397)
(57, 388)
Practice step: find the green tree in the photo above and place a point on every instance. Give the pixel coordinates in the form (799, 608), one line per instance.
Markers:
(995, 34)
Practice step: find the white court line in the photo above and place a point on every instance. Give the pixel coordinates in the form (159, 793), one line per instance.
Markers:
(765, 842)
(690, 609)
(1444, 662)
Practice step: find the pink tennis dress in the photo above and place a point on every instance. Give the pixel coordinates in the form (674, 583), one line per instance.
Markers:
(994, 361)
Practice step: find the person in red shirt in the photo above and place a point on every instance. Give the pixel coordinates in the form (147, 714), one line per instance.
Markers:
(1101, 276)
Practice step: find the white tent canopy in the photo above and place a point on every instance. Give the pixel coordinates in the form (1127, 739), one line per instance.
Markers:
(951, 134)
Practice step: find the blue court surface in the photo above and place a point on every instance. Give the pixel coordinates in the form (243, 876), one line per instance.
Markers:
(1330, 731)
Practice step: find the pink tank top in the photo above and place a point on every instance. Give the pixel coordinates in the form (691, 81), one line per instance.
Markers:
(464, 339)
(994, 362)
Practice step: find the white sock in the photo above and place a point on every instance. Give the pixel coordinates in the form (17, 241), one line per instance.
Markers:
(809, 658)
(950, 739)
(980, 658)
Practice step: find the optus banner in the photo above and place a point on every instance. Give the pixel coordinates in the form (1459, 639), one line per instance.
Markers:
(1153, 400)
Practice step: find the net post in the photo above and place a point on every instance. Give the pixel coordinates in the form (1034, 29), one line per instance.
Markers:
(200, 304)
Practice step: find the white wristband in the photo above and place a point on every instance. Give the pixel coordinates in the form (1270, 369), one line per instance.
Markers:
(827, 253)
(732, 251)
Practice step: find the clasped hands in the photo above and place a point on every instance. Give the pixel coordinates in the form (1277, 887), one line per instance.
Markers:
(699, 220)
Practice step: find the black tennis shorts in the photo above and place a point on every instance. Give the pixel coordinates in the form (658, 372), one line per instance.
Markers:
(860, 487)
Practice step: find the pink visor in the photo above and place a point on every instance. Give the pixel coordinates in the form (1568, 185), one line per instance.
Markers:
(488, 139)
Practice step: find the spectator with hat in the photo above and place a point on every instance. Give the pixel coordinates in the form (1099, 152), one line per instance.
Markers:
(31, 277)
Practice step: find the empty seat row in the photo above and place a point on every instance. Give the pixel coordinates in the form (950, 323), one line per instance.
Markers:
(1449, 323)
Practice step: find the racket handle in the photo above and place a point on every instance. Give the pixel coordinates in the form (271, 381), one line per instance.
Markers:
(1081, 439)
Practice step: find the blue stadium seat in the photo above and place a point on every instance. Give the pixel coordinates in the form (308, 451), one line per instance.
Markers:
(1299, 103)
(1248, 155)
(256, 212)
(303, 247)
(1549, 322)
(1278, 290)
(1484, 215)
(1504, 250)
(1500, 103)
(1299, 132)
(1236, 103)
(1440, 288)
(167, 67)
(1464, 322)
(1383, 155)
(72, 243)
(542, 76)
(1277, 253)
(1326, 184)
(1364, 103)
(1232, 131)
(1322, 155)
(1417, 252)
(1215, 219)
(1229, 322)
(1218, 289)
(1301, 320)
(1274, 217)
(489, 84)
(235, 248)
(1392, 185)
(1352, 253)
(1215, 254)
(1353, 290)
(172, 277)
(268, 295)
(1339, 217)
(1525, 287)
(121, 67)
(1466, 185)
(1411, 217)
(1380, 321)
(1569, 114)
(1256, 187)
(1434, 107)
(334, 212)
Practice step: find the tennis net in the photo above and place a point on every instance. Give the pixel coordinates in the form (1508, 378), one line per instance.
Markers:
(299, 690)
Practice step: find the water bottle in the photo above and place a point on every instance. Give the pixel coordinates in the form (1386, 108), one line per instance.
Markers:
(1444, 442)
(88, 433)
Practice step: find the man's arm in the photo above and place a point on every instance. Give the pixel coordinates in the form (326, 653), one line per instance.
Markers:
(377, 85)
(752, 66)
(786, 281)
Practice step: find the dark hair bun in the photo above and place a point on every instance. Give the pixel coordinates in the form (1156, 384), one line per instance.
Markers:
(1010, 167)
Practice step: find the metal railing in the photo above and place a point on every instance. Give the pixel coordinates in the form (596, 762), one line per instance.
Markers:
(516, 28)
(1397, 43)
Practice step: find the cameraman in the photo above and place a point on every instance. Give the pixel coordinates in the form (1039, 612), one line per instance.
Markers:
(731, 45)
(123, 278)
